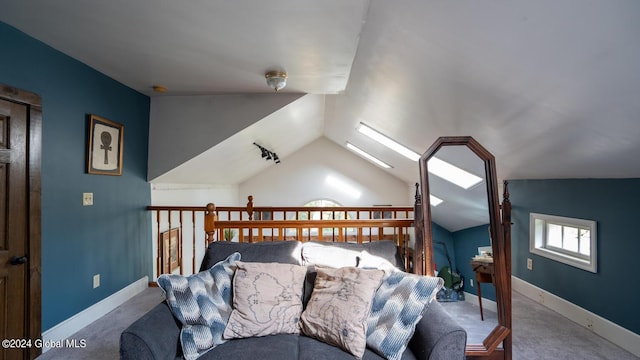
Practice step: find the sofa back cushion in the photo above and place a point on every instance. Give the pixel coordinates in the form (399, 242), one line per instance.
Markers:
(291, 252)
(286, 252)
(336, 254)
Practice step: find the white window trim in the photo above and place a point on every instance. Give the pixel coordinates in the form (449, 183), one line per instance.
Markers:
(536, 242)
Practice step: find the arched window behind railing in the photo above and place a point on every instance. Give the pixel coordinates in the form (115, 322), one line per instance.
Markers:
(322, 215)
(326, 215)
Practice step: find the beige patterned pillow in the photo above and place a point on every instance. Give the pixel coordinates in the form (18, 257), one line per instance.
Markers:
(339, 307)
(267, 300)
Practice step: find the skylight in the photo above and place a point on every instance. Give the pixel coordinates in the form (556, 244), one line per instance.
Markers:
(443, 169)
(434, 201)
(452, 173)
(368, 156)
(388, 142)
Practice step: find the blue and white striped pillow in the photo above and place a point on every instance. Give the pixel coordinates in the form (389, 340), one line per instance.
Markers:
(398, 305)
(202, 303)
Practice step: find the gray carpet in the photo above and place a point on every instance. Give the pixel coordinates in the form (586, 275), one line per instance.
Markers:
(103, 336)
(468, 316)
(538, 333)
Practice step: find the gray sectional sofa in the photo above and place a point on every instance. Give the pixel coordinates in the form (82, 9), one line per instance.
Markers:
(156, 334)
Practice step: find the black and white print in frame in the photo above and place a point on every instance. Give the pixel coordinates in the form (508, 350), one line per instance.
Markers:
(104, 148)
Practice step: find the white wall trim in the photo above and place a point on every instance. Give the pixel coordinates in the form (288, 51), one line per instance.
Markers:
(611, 331)
(487, 304)
(70, 326)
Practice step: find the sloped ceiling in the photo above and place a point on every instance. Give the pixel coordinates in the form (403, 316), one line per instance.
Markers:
(550, 87)
(236, 159)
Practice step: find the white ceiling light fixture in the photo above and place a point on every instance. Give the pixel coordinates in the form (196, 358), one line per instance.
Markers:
(368, 156)
(276, 80)
(388, 142)
(452, 173)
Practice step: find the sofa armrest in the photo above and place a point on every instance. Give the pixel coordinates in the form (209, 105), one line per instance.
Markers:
(156, 335)
(438, 336)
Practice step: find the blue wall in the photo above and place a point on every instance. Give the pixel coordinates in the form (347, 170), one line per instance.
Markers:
(441, 234)
(466, 243)
(462, 246)
(612, 292)
(110, 238)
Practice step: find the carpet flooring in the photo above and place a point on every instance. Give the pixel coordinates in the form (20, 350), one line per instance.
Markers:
(538, 333)
(467, 314)
(103, 335)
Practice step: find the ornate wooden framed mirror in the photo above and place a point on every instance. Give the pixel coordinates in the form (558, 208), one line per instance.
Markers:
(480, 208)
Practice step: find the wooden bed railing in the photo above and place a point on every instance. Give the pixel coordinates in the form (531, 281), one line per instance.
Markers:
(182, 233)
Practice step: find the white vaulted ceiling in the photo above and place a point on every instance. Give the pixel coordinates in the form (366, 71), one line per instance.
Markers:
(550, 87)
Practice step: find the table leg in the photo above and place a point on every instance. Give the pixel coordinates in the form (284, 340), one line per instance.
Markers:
(480, 300)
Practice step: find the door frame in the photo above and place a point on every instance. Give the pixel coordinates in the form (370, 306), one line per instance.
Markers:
(33, 102)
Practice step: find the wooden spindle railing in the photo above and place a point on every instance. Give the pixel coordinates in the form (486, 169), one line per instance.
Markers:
(170, 226)
(194, 227)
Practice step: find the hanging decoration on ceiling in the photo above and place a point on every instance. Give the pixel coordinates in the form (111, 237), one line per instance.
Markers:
(268, 154)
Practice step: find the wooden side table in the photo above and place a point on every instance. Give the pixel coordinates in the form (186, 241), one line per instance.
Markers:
(485, 273)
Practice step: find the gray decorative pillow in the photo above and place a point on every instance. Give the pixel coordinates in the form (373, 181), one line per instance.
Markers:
(202, 303)
(398, 305)
(339, 307)
(267, 300)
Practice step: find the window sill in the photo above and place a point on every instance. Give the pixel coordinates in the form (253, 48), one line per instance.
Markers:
(566, 259)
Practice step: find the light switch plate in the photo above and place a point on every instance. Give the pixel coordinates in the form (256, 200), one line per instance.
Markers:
(96, 280)
(87, 199)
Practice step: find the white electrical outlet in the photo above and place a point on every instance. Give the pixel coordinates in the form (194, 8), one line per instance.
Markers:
(87, 199)
(96, 280)
(471, 282)
(529, 264)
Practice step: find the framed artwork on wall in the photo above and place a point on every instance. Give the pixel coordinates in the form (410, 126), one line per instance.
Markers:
(104, 146)
(171, 253)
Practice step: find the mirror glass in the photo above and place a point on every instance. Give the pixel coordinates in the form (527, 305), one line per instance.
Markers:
(460, 233)
(464, 239)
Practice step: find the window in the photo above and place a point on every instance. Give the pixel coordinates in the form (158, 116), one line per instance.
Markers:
(567, 240)
(319, 215)
(326, 215)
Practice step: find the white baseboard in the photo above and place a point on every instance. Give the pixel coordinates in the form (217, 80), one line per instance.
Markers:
(70, 326)
(613, 332)
(486, 303)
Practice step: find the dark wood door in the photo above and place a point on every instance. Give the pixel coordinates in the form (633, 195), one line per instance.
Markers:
(15, 231)
(13, 220)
